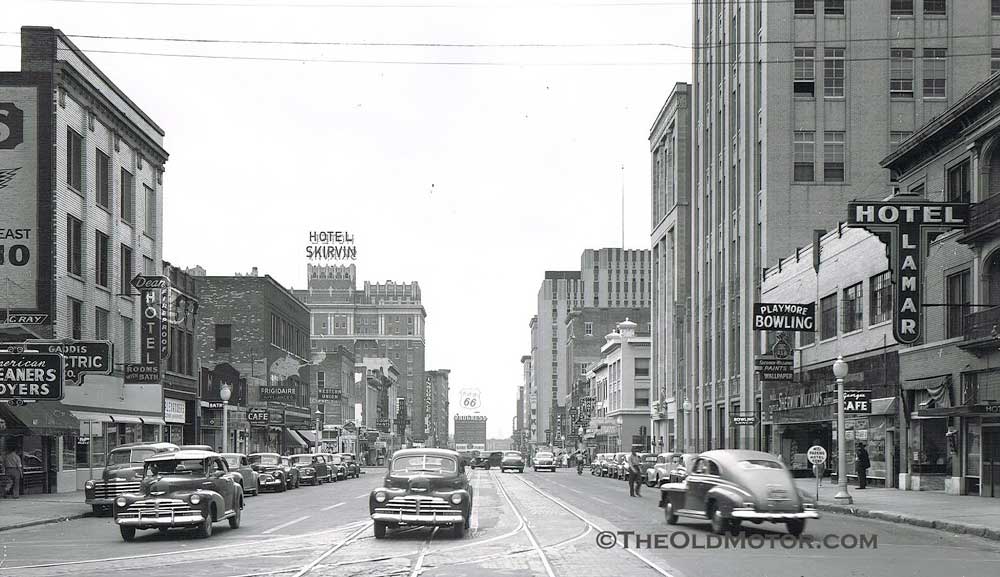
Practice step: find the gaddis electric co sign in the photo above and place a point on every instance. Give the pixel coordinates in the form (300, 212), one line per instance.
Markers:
(906, 228)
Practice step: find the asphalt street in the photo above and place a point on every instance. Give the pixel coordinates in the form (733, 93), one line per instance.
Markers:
(523, 524)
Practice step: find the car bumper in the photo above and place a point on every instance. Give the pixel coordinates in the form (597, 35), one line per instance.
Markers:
(751, 515)
(104, 501)
(272, 483)
(420, 519)
(150, 522)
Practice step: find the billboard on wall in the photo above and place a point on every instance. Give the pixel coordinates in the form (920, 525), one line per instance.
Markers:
(23, 221)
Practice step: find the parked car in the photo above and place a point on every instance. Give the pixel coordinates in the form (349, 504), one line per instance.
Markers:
(316, 462)
(273, 475)
(495, 458)
(239, 465)
(338, 469)
(123, 474)
(621, 466)
(307, 472)
(727, 487)
(352, 464)
(423, 487)
(646, 461)
(197, 448)
(512, 461)
(480, 462)
(601, 466)
(680, 471)
(544, 460)
(181, 489)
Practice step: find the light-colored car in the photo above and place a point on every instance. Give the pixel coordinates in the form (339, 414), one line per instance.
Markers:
(665, 465)
(247, 478)
(727, 487)
(544, 461)
(512, 461)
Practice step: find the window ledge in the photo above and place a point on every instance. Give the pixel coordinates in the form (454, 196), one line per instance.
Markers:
(106, 209)
(75, 276)
(103, 288)
(852, 333)
(74, 189)
(880, 324)
(828, 340)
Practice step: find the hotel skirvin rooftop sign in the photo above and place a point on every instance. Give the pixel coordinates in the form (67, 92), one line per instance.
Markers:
(906, 229)
(331, 246)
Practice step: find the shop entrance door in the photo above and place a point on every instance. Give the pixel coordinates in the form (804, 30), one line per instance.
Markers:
(991, 462)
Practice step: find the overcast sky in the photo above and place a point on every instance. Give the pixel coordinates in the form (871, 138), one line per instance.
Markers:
(470, 179)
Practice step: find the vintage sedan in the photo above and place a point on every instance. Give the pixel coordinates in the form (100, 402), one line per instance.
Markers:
(352, 464)
(273, 475)
(667, 468)
(338, 469)
(123, 474)
(544, 460)
(423, 487)
(181, 489)
(313, 468)
(727, 487)
(512, 461)
(239, 465)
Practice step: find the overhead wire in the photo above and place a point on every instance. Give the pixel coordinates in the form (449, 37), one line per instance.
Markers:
(378, 5)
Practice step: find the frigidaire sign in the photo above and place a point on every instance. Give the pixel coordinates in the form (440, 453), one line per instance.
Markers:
(906, 228)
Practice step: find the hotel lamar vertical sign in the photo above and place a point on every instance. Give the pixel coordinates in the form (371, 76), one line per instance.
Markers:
(906, 229)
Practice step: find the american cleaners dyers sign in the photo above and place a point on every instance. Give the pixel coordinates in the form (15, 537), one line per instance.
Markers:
(31, 376)
(906, 228)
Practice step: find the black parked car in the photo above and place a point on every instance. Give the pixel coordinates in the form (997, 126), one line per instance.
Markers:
(274, 475)
(351, 464)
(320, 468)
(423, 487)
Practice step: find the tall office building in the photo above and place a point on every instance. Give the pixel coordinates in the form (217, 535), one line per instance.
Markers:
(608, 278)
(378, 320)
(793, 103)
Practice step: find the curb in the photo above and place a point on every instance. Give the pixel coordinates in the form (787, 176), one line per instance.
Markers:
(904, 519)
(45, 521)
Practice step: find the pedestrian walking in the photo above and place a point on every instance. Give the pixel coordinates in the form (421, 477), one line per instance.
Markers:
(13, 467)
(861, 465)
(633, 472)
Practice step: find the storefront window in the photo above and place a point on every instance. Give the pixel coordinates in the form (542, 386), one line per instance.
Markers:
(876, 447)
(151, 433)
(69, 444)
(972, 449)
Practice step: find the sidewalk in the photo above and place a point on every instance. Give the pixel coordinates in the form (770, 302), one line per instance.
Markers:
(39, 509)
(971, 515)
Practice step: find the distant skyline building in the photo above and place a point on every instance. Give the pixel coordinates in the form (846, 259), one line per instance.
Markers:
(437, 406)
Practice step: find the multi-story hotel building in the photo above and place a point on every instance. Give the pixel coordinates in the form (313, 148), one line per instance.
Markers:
(436, 407)
(384, 320)
(792, 103)
(81, 190)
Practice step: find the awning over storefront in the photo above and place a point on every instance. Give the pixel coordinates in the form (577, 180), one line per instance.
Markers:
(294, 439)
(920, 383)
(42, 418)
(116, 418)
(886, 406)
(152, 421)
(309, 436)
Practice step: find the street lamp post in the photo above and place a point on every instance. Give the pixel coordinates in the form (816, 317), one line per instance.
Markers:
(840, 371)
(319, 415)
(225, 392)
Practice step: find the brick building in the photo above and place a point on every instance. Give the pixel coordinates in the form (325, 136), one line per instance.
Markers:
(253, 327)
(470, 432)
(384, 320)
(180, 370)
(81, 175)
(334, 391)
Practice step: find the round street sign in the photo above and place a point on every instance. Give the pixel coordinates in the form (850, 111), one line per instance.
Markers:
(816, 455)
(781, 350)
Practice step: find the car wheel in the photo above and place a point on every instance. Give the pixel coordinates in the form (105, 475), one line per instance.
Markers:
(719, 523)
(283, 487)
(669, 514)
(128, 533)
(796, 526)
(734, 526)
(205, 529)
(234, 521)
(379, 530)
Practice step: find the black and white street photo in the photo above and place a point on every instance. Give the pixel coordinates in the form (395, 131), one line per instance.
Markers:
(499, 288)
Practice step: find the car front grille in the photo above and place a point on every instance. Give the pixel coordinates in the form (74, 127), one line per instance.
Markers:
(411, 505)
(156, 508)
(111, 489)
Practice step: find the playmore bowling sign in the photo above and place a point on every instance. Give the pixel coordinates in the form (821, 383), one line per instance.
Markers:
(906, 229)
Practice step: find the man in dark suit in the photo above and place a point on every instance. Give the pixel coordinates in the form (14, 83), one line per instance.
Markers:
(861, 465)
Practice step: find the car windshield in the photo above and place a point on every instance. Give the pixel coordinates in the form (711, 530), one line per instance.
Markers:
(193, 467)
(650, 459)
(129, 456)
(512, 454)
(424, 463)
(264, 459)
(544, 455)
(347, 458)
(760, 464)
(334, 459)
(233, 460)
(301, 460)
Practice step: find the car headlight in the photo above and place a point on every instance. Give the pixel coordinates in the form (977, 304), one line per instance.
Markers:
(195, 499)
(380, 497)
(121, 502)
(88, 485)
(456, 498)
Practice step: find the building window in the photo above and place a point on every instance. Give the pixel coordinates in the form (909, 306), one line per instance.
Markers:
(995, 7)
(959, 185)
(102, 256)
(896, 137)
(880, 290)
(805, 7)
(901, 72)
(149, 226)
(959, 289)
(901, 7)
(128, 196)
(833, 156)
(148, 268)
(831, 7)
(223, 337)
(807, 338)
(833, 72)
(103, 179)
(320, 379)
(853, 307)
(100, 324)
(995, 59)
(641, 367)
(74, 159)
(75, 319)
(128, 334)
(935, 7)
(805, 71)
(803, 156)
(935, 73)
(126, 269)
(828, 317)
(74, 245)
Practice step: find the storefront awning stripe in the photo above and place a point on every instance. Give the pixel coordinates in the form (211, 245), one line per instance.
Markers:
(922, 383)
(885, 406)
(153, 421)
(41, 417)
(84, 416)
(309, 436)
(292, 438)
(128, 419)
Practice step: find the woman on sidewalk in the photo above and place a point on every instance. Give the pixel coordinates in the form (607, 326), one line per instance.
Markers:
(12, 467)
